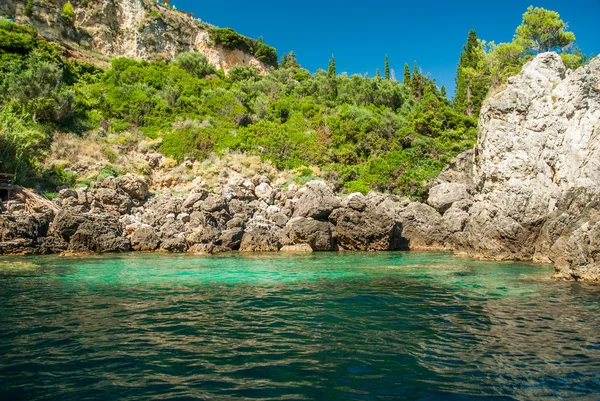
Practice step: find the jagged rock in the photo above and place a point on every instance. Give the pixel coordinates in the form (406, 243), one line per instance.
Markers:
(158, 208)
(192, 199)
(133, 185)
(317, 234)
(261, 235)
(203, 235)
(174, 245)
(144, 238)
(570, 237)
(442, 196)
(265, 193)
(317, 201)
(423, 227)
(19, 246)
(538, 140)
(22, 225)
(356, 201)
(214, 203)
(231, 238)
(374, 229)
(456, 217)
(98, 233)
(113, 200)
(50, 245)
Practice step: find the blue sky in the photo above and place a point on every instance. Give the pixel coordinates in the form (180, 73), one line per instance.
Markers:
(360, 34)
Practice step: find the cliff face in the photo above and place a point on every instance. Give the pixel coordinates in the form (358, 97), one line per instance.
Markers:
(139, 29)
(537, 171)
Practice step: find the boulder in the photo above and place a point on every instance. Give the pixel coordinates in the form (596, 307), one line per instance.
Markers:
(264, 192)
(374, 229)
(442, 196)
(231, 238)
(113, 200)
(144, 238)
(317, 201)
(214, 203)
(175, 245)
(133, 185)
(261, 235)
(98, 233)
(317, 234)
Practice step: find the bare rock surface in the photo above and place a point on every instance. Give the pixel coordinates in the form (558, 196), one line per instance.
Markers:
(539, 141)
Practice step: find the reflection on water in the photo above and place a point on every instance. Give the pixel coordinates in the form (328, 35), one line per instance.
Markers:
(321, 326)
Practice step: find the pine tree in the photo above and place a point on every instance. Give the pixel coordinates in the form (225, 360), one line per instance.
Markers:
(417, 83)
(377, 74)
(387, 67)
(331, 72)
(291, 61)
(443, 92)
(284, 60)
(471, 78)
(406, 74)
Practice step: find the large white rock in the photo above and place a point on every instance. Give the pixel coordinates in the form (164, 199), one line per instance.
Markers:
(539, 140)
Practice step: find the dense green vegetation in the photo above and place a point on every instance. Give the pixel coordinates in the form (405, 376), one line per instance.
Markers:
(362, 133)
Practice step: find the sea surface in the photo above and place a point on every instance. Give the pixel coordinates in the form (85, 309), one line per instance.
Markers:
(330, 326)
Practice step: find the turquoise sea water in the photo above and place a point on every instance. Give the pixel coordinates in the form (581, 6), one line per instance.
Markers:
(347, 326)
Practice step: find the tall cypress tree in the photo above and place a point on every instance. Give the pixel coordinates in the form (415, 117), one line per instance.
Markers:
(377, 74)
(443, 91)
(331, 72)
(471, 78)
(417, 83)
(387, 67)
(331, 78)
(406, 74)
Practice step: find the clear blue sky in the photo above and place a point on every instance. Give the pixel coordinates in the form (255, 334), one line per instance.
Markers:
(360, 34)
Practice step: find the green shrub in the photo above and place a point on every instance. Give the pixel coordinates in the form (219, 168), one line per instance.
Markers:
(356, 186)
(68, 13)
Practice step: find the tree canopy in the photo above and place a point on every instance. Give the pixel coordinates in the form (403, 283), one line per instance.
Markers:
(542, 31)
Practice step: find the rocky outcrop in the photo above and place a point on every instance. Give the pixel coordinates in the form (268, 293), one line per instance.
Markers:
(368, 224)
(536, 170)
(138, 29)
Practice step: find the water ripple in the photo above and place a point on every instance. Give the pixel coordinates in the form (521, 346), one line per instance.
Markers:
(318, 327)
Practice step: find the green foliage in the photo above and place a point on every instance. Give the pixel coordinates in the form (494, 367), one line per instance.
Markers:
(331, 72)
(387, 67)
(230, 39)
(471, 78)
(29, 8)
(242, 73)
(542, 31)
(23, 144)
(195, 64)
(406, 80)
(68, 13)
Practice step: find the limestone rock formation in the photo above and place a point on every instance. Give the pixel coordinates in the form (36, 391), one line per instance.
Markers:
(538, 152)
(138, 29)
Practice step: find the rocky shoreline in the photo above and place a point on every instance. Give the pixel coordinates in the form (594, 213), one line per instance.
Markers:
(530, 190)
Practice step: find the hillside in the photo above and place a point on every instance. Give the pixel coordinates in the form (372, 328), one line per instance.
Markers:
(360, 133)
(98, 31)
